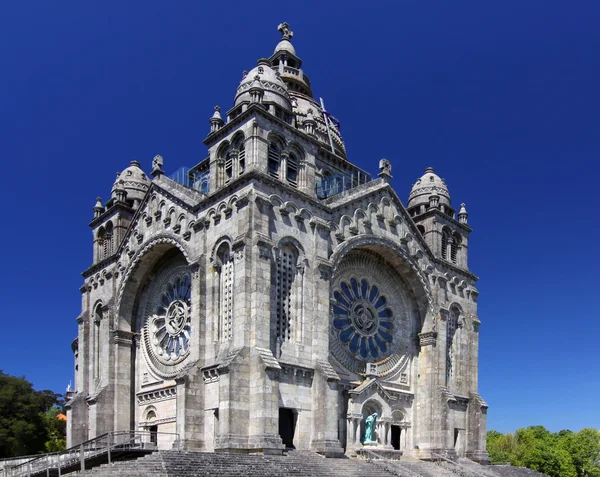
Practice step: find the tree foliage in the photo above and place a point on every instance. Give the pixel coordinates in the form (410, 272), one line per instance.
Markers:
(560, 454)
(25, 426)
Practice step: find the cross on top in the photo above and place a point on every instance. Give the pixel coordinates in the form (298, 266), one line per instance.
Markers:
(286, 33)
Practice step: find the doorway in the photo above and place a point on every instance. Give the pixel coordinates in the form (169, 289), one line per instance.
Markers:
(395, 438)
(287, 426)
(153, 434)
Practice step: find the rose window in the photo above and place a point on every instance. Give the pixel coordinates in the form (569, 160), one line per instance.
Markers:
(363, 319)
(167, 330)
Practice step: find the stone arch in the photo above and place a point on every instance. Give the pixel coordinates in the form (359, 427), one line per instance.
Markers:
(398, 416)
(287, 296)
(139, 267)
(401, 260)
(150, 414)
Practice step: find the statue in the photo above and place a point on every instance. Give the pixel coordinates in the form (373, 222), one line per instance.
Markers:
(369, 428)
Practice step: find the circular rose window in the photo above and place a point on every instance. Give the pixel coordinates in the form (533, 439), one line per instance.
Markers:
(167, 328)
(370, 315)
(363, 318)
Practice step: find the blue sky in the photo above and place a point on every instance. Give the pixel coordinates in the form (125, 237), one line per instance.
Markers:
(501, 98)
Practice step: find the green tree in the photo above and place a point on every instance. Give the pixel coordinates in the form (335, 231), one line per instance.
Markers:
(56, 429)
(584, 449)
(23, 429)
(560, 454)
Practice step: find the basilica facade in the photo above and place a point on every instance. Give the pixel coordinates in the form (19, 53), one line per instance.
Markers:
(275, 295)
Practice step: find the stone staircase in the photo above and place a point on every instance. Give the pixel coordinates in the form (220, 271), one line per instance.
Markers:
(188, 464)
(295, 463)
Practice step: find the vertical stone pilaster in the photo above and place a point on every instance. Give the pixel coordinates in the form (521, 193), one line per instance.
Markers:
(325, 411)
(234, 383)
(426, 402)
(190, 387)
(264, 403)
(122, 379)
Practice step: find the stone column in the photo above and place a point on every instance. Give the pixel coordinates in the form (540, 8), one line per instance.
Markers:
(325, 382)
(426, 401)
(123, 379)
(190, 387)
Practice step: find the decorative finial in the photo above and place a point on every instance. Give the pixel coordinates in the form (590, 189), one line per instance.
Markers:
(216, 122)
(286, 33)
(385, 168)
(462, 215)
(98, 209)
(157, 164)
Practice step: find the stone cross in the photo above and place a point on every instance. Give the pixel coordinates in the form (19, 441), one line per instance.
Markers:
(286, 33)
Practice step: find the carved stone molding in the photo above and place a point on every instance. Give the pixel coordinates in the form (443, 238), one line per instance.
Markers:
(149, 397)
(428, 338)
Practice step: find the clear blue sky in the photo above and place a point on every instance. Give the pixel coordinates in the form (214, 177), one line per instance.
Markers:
(501, 97)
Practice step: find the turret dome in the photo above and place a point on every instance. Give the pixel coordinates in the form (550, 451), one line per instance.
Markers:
(264, 79)
(427, 185)
(285, 45)
(135, 182)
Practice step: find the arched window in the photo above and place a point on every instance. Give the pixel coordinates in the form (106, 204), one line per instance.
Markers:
(454, 248)
(292, 170)
(238, 143)
(96, 345)
(451, 344)
(445, 244)
(228, 166)
(225, 292)
(107, 244)
(100, 243)
(273, 159)
(288, 296)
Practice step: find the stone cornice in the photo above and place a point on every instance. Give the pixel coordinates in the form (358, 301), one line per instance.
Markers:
(256, 109)
(100, 265)
(112, 210)
(430, 212)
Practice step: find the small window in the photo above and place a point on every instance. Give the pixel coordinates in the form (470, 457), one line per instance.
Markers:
(273, 160)
(292, 170)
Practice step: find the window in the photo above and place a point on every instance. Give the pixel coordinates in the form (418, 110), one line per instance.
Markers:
(228, 168)
(292, 170)
(273, 159)
(454, 248)
(445, 243)
(287, 293)
(451, 345)
(242, 159)
(225, 292)
(96, 345)
(108, 240)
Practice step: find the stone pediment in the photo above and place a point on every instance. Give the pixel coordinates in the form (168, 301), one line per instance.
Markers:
(167, 208)
(371, 386)
(376, 210)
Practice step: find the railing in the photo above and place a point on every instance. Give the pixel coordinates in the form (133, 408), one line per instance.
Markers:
(193, 179)
(340, 183)
(73, 459)
(389, 466)
(455, 467)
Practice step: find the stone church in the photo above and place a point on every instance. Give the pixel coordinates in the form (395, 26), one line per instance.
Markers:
(275, 294)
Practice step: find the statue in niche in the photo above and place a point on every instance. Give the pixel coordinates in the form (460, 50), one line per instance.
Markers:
(370, 422)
